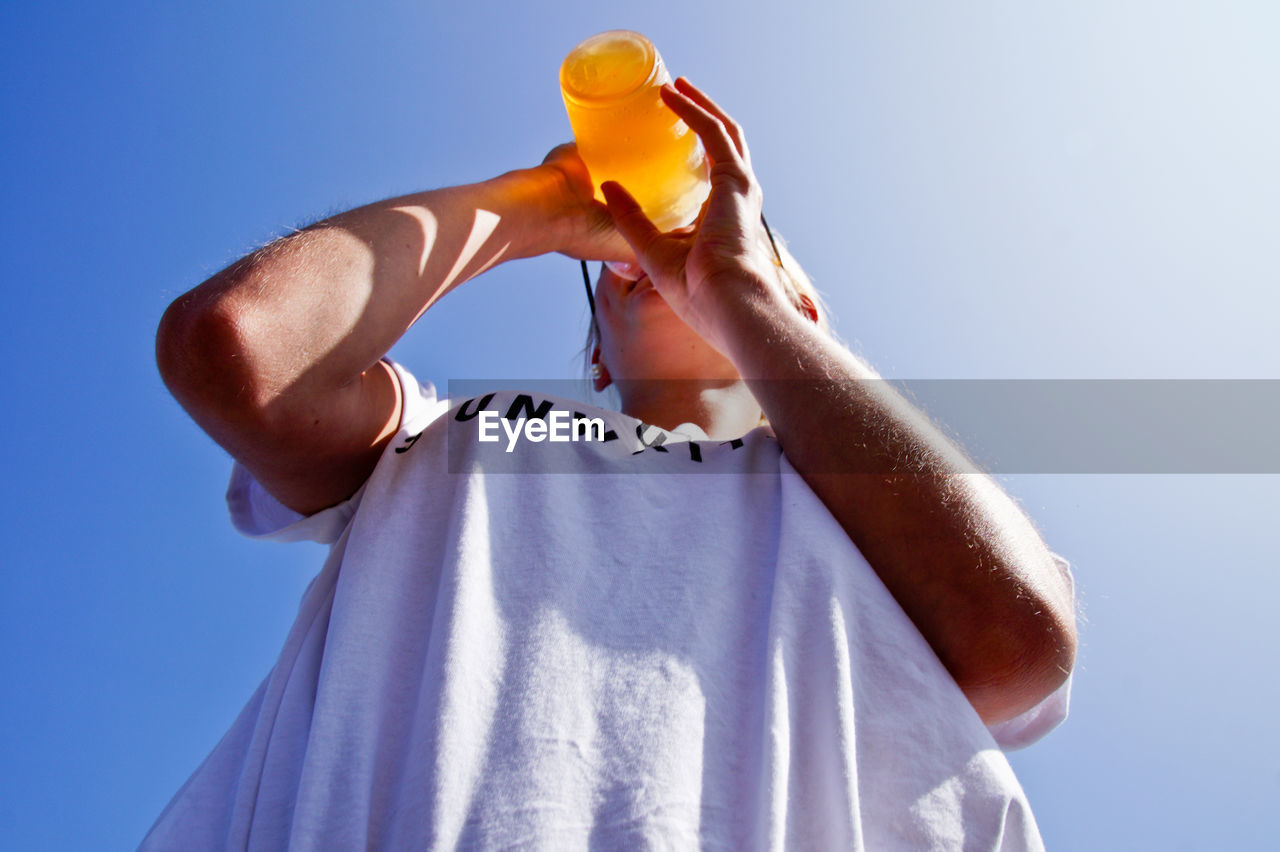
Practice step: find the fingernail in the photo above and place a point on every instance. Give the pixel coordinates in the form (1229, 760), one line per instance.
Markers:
(629, 271)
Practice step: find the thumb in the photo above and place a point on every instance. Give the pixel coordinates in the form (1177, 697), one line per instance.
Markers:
(630, 220)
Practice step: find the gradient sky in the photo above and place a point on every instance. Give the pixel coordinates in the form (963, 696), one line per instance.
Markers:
(983, 190)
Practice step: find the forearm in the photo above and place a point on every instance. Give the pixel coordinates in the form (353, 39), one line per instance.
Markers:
(318, 308)
(276, 357)
(964, 562)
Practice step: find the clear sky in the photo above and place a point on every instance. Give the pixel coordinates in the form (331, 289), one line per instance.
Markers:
(984, 190)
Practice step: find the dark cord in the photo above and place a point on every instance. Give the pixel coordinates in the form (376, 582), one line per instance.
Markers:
(591, 297)
(769, 233)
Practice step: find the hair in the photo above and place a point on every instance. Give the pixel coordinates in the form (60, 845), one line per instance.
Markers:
(795, 282)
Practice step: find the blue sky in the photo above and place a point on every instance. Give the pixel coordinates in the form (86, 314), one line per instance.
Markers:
(983, 190)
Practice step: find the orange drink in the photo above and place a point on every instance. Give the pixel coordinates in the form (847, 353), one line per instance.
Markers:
(626, 133)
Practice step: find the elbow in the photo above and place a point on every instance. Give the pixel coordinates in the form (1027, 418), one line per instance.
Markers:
(203, 354)
(1037, 659)
(174, 344)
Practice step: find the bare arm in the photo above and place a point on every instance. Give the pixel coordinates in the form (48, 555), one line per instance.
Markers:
(961, 559)
(955, 551)
(277, 357)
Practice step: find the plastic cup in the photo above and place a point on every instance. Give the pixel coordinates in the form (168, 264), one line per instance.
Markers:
(624, 131)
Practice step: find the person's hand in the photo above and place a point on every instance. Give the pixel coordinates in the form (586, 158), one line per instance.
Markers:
(584, 230)
(724, 254)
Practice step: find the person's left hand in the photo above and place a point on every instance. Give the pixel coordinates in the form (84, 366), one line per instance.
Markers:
(723, 255)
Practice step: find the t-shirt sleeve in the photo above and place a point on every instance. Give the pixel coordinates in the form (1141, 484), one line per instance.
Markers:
(255, 513)
(1021, 731)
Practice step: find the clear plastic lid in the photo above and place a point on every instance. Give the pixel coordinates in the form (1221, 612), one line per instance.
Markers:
(608, 66)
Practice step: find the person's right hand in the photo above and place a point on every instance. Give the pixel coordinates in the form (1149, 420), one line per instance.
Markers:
(723, 258)
(584, 228)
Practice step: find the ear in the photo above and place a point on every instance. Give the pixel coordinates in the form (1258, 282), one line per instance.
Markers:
(808, 308)
(600, 378)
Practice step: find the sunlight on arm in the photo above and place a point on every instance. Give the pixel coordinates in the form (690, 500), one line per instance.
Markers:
(429, 230)
(483, 227)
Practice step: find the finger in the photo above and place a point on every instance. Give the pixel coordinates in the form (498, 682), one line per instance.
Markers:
(630, 220)
(701, 98)
(562, 151)
(659, 254)
(566, 158)
(714, 135)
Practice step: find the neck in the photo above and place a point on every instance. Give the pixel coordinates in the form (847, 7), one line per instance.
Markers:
(724, 409)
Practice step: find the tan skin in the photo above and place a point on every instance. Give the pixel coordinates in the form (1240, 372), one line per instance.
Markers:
(278, 359)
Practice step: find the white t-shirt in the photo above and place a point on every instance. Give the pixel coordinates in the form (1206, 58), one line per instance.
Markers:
(641, 642)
